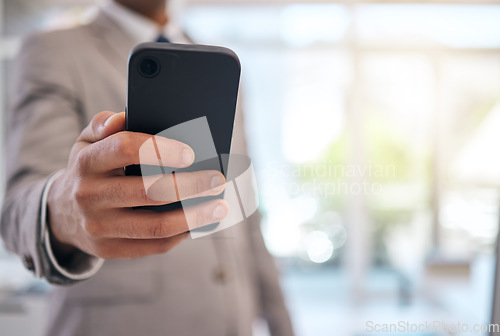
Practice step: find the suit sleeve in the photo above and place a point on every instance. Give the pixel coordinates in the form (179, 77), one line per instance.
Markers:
(44, 120)
(272, 302)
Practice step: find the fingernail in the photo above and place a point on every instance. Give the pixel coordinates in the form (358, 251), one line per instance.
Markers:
(219, 212)
(216, 182)
(108, 120)
(187, 156)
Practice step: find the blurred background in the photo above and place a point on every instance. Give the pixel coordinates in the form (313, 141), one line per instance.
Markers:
(374, 127)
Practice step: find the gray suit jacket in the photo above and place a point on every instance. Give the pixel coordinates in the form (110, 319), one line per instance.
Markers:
(211, 286)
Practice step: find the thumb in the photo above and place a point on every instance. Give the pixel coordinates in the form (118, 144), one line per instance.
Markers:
(102, 126)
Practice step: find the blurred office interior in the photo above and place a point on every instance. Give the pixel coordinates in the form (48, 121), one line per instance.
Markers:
(374, 128)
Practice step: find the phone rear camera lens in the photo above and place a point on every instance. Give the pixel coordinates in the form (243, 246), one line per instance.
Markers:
(149, 67)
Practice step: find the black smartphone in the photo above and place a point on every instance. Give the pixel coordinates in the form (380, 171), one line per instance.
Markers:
(173, 84)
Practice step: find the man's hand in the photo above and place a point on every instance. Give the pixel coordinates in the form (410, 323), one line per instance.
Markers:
(91, 204)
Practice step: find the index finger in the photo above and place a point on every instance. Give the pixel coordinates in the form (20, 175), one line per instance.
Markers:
(132, 148)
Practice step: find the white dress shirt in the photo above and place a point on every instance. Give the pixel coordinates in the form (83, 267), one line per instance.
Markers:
(141, 29)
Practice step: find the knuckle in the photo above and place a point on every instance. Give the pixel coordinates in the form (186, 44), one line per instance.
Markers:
(124, 145)
(158, 229)
(84, 196)
(83, 162)
(93, 228)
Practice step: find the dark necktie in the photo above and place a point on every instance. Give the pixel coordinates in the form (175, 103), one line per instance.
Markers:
(163, 39)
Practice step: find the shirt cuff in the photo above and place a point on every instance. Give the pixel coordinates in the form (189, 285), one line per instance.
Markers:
(81, 266)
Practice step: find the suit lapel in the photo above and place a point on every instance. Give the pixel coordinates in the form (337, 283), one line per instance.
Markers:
(113, 42)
